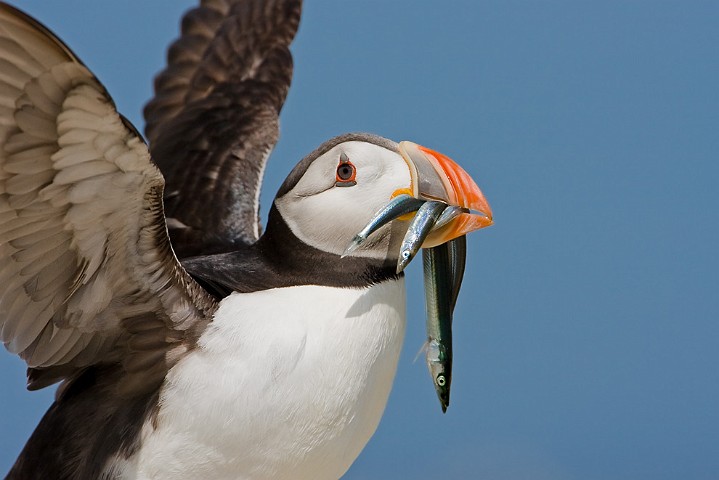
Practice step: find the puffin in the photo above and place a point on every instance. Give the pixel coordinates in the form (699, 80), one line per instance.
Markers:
(189, 342)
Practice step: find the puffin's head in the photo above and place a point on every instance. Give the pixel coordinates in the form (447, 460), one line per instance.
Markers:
(334, 192)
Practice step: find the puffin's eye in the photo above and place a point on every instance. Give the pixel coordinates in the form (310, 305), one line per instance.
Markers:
(346, 173)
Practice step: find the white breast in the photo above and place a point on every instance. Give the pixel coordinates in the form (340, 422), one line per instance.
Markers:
(286, 384)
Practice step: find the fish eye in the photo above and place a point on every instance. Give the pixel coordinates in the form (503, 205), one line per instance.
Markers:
(441, 381)
(346, 172)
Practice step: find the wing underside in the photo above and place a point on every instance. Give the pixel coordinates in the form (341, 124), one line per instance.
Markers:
(87, 274)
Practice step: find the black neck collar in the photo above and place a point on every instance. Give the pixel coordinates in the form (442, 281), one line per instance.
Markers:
(280, 259)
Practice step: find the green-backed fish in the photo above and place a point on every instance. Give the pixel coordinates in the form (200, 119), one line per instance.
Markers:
(443, 273)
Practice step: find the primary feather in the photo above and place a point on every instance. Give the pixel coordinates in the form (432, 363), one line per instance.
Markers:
(215, 119)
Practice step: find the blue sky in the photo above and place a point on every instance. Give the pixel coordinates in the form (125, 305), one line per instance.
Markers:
(587, 332)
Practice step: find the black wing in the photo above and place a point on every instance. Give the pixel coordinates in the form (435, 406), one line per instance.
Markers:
(214, 119)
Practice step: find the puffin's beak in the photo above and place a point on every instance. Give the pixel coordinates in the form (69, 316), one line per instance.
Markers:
(443, 198)
(436, 177)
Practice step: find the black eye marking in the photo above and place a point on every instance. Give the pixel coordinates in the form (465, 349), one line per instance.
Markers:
(346, 172)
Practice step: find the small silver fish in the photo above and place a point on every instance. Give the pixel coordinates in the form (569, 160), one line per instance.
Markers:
(457, 261)
(443, 273)
(398, 206)
(420, 227)
(449, 214)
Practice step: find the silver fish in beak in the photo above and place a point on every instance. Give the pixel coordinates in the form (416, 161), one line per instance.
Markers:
(419, 229)
(443, 273)
(448, 205)
(430, 216)
(400, 205)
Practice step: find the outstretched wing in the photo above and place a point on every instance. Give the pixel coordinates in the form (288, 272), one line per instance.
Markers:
(87, 274)
(214, 119)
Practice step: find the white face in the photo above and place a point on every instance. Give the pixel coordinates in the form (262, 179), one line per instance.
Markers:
(327, 216)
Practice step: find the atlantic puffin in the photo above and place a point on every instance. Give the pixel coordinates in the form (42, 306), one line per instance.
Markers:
(190, 343)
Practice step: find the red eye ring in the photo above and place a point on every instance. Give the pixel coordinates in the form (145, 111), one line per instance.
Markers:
(346, 173)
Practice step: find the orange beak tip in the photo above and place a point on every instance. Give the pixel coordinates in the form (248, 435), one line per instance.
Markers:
(437, 177)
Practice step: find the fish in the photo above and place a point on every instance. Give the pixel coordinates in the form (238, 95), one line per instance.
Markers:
(449, 214)
(422, 224)
(400, 205)
(443, 267)
(443, 273)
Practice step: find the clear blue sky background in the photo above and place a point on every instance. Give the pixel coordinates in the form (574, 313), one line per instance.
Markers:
(587, 331)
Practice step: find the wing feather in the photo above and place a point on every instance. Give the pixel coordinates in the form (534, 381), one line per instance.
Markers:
(86, 269)
(214, 118)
